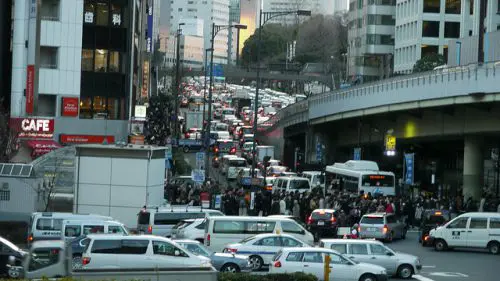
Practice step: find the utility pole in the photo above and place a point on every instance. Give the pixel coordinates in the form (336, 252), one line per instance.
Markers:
(177, 83)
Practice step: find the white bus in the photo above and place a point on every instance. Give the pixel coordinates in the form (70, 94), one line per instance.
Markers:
(360, 175)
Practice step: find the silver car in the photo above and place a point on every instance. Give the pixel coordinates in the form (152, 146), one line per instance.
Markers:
(375, 252)
(383, 226)
(223, 262)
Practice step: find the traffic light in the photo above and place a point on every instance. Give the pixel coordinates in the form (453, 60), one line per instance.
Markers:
(327, 269)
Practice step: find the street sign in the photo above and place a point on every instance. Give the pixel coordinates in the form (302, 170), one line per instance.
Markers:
(409, 167)
(319, 152)
(390, 143)
(198, 176)
(218, 200)
(357, 153)
(200, 160)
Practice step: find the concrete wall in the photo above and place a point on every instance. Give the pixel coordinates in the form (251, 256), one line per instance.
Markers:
(75, 126)
(468, 49)
(24, 196)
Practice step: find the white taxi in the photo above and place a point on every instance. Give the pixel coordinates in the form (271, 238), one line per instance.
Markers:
(311, 261)
(263, 247)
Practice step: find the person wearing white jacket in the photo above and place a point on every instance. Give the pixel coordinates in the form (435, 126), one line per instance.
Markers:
(282, 206)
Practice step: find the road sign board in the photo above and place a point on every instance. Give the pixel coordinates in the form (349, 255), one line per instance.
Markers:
(319, 152)
(409, 165)
(198, 176)
(200, 160)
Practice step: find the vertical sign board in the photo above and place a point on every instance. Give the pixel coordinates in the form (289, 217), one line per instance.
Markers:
(409, 168)
(149, 38)
(30, 89)
(145, 80)
(357, 153)
(319, 152)
(200, 160)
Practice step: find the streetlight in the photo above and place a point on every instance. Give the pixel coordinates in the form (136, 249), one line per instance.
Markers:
(215, 30)
(263, 18)
(177, 81)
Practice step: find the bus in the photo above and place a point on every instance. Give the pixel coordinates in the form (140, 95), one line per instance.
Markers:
(361, 176)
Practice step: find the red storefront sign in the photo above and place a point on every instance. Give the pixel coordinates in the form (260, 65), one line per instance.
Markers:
(86, 139)
(30, 89)
(34, 128)
(145, 80)
(69, 107)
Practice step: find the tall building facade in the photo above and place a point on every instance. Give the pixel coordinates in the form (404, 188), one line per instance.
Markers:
(371, 39)
(249, 16)
(5, 52)
(73, 71)
(210, 11)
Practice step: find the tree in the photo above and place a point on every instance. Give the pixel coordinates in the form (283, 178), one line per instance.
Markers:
(159, 113)
(429, 62)
(272, 48)
(8, 137)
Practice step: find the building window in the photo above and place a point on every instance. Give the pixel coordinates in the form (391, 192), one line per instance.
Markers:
(114, 62)
(102, 14)
(179, 10)
(431, 6)
(430, 29)
(50, 10)
(451, 30)
(445, 53)
(87, 60)
(101, 107)
(47, 105)
(86, 108)
(101, 61)
(48, 57)
(452, 7)
(116, 15)
(4, 195)
(428, 50)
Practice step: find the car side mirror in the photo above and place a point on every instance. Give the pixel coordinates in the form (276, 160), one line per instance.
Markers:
(12, 260)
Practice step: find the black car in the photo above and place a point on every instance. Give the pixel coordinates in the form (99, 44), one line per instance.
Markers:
(430, 220)
(8, 249)
(323, 223)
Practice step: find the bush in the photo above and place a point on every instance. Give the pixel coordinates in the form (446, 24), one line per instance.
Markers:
(298, 276)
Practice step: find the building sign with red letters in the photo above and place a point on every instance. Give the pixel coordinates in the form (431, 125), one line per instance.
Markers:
(86, 139)
(69, 107)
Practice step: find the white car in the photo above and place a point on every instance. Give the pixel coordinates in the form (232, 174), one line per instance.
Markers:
(142, 251)
(311, 261)
(263, 247)
(193, 229)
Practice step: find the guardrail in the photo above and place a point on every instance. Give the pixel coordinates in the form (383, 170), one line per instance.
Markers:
(436, 84)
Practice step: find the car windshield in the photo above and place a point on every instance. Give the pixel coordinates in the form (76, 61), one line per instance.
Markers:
(299, 184)
(372, 220)
(321, 215)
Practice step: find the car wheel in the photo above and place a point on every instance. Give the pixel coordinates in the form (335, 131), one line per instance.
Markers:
(14, 273)
(230, 267)
(256, 262)
(185, 149)
(440, 245)
(405, 271)
(368, 277)
(494, 248)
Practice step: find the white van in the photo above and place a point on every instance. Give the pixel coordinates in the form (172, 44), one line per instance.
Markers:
(220, 231)
(469, 230)
(316, 178)
(225, 162)
(291, 184)
(48, 226)
(76, 228)
(160, 221)
(234, 166)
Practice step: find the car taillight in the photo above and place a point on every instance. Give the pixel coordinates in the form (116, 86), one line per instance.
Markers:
(30, 238)
(233, 150)
(186, 135)
(216, 149)
(386, 229)
(309, 220)
(231, 251)
(85, 260)
(426, 238)
(207, 240)
(277, 264)
(333, 219)
(150, 229)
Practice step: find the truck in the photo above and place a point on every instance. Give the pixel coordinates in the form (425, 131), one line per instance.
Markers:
(239, 103)
(263, 151)
(193, 119)
(53, 259)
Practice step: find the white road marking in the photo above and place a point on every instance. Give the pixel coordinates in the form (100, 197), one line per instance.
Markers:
(421, 278)
(449, 274)
(428, 266)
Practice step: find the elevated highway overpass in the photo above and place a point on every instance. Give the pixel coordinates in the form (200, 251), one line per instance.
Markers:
(449, 117)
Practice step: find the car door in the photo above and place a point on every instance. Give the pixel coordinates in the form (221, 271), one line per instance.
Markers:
(133, 253)
(312, 263)
(380, 255)
(455, 233)
(266, 248)
(288, 242)
(359, 252)
(477, 233)
(341, 270)
(168, 255)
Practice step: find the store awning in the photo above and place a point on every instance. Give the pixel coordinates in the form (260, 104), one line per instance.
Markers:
(42, 146)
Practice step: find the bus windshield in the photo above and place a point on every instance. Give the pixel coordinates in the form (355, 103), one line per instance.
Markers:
(378, 180)
(237, 163)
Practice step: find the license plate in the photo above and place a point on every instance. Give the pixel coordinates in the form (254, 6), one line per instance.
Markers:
(321, 223)
(372, 229)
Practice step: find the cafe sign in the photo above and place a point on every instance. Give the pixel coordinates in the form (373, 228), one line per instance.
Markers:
(33, 127)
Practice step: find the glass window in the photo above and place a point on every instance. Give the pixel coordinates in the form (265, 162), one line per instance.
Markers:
(378, 250)
(229, 227)
(451, 29)
(429, 49)
(336, 259)
(478, 223)
(458, 223)
(72, 231)
(201, 225)
(113, 108)
(102, 14)
(49, 224)
(268, 242)
(99, 108)
(315, 257)
(86, 107)
(91, 229)
(43, 257)
(358, 249)
(134, 247)
(196, 249)
(295, 256)
(291, 227)
(431, 6)
(494, 223)
(106, 246)
(259, 227)
(289, 242)
(452, 7)
(372, 220)
(167, 249)
(115, 229)
(114, 62)
(341, 248)
(430, 28)
(101, 60)
(87, 60)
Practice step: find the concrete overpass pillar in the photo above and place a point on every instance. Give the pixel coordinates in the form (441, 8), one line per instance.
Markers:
(473, 167)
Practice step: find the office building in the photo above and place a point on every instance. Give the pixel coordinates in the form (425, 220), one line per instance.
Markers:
(249, 16)
(324, 7)
(371, 40)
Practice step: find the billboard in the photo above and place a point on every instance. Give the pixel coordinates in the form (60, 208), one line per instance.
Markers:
(149, 38)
